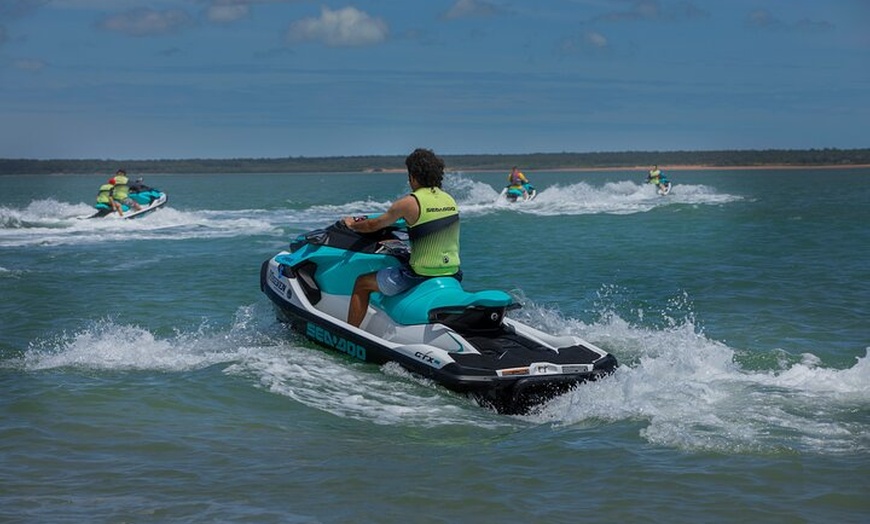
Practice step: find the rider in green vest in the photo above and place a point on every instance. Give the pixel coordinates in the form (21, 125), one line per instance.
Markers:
(121, 191)
(658, 178)
(433, 230)
(104, 196)
(435, 235)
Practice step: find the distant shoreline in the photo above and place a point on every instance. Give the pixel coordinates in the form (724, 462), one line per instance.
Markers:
(450, 169)
(828, 158)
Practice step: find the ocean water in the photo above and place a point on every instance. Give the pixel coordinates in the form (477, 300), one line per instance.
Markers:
(144, 378)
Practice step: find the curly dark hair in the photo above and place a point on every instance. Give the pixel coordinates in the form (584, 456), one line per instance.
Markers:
(426, 168)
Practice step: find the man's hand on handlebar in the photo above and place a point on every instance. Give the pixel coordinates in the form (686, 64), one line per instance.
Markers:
(349, 221)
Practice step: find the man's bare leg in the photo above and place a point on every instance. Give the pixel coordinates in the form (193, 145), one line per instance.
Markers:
(364, 286)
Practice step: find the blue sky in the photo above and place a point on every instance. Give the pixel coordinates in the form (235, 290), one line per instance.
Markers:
(147, 79)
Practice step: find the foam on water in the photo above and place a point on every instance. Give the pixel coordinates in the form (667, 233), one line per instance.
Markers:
(322, 215)
(581, 198)
(11, 273)
(49, 222)
(691, 392)
(272, 357)
(680, 387)
(108, 345)
(683, 389)
(337, 385)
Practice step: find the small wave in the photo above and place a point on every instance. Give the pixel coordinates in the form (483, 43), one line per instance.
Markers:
(686, 390)
(11, 273)
(383, 395)
(108, 345)
(53, 223)
(692, 392)
(44, 213)
(50, 222)
(273, 358)
(327, 213)
(581, 198)
(683, 389)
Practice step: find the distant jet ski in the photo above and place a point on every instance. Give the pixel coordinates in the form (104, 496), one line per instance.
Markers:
(148, 198)
(438, 330)
(663, 185)
(514, 193)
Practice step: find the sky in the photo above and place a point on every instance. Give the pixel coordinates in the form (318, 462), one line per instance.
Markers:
(176, 79)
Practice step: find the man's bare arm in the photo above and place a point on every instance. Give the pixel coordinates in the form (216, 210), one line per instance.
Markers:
(406, 207)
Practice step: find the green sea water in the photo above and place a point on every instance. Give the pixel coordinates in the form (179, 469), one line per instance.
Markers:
(144, 378)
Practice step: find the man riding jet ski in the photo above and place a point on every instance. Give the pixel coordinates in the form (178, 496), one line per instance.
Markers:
(519, 187)
(358, 288)
(655, 176)
(127, 200)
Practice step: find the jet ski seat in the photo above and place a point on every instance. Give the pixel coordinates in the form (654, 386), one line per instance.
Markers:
(440, 298)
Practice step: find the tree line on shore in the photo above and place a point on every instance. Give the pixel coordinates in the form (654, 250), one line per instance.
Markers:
(478, 162)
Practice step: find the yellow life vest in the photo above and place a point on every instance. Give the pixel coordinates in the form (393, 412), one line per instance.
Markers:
(435, 236)
(105, 194)
(121, 191)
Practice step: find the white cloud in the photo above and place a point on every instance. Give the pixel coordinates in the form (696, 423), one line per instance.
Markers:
(146, 22)
(595, 39)
(347, 27)
(228, 11)
(29, 65)
(639, 10)
(466, 8)
(585, 43)
(17, 8)
(225, 13)
(762, 18)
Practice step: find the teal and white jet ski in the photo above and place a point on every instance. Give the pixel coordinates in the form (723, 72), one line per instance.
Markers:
(148, 198)
(461, 339)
